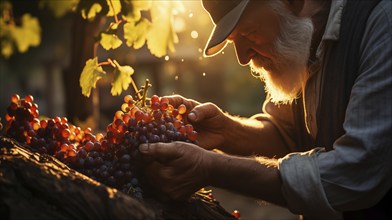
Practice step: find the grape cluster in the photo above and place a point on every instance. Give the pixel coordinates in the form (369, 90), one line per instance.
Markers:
(111, 158)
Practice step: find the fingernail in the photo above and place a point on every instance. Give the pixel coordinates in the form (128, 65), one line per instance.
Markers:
(143, 148)
(192, 116)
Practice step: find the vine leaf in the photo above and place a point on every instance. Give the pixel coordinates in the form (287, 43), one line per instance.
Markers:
(90, 75)
(122, 78)
(110, 41)
(115, 9)
(29, 27)
(136, 8)
(136, 34)
(90, 12)
(161, 36)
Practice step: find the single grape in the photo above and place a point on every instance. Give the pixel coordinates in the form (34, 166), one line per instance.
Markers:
(163, 106)
(155, 105)
(157, 114)
(154, 98)
(125, 107)
(29, 98)
(164, 100)
(188, 128)
(128, 99)
(65, 133)
(192, 136)
(181, 109)
(15, 98)
(236, 214)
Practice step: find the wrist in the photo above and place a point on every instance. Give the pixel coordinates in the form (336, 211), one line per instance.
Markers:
(213, 169)
(231, 124)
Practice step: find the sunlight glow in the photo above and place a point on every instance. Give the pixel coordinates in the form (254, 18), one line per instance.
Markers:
(194, 34)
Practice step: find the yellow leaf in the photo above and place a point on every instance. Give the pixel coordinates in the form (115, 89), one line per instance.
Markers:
(136, 34)
(137, 7)
(161, 35)
(116, 7)
(28, 34)
(110, 41)
(90, 75)
(122, 78)
(94, 10)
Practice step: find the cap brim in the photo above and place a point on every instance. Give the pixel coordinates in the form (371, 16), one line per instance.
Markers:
(217, 41)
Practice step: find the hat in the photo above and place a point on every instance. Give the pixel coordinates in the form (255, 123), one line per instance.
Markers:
(225, 15)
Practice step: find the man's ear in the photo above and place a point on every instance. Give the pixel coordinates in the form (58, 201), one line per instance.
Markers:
(296, 6)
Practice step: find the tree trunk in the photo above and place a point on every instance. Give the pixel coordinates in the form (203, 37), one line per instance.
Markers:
(34, 186)
(78, 106)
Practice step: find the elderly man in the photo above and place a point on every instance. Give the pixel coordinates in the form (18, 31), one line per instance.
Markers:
(322, 146)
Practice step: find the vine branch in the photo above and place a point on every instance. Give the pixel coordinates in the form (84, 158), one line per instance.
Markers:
(114, 12)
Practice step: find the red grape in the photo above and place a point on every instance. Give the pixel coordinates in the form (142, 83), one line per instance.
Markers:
(111, 158)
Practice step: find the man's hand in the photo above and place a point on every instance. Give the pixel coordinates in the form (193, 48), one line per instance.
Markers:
(209, 121)
(178, 169)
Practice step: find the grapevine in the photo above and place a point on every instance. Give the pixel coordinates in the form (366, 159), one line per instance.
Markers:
(111, 158)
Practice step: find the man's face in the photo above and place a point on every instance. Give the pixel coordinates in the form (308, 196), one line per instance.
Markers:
(275, 43)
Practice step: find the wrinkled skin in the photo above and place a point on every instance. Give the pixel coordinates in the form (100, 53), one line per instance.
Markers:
(207, 118)
(178, 169)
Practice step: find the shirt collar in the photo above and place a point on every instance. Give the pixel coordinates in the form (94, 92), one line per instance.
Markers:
(332, 29)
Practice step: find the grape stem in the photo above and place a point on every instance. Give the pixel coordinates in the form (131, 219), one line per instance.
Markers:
(145, 89)
(136, 89)
(108, 62)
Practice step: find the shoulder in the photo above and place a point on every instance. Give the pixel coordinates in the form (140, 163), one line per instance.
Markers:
(384, 8)
(377, 39)
(383, 12)
(380, 20)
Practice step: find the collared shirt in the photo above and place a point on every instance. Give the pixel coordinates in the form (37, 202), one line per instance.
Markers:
(358, 172)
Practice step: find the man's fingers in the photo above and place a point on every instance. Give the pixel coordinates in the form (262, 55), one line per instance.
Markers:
(176, 100)
(161, 151)
(203, 112)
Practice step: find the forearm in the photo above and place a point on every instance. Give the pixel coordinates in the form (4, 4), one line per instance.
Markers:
(254, 177)
(253, 137)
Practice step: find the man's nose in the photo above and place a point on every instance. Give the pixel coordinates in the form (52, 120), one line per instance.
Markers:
(243, 50)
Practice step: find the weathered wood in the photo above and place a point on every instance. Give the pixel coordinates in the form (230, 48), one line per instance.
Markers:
(34, 186)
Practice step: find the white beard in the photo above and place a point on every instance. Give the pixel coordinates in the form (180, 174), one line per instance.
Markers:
(286, 74)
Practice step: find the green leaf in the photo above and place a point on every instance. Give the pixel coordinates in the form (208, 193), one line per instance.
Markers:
(91, 12)
(110, 41)
(60, 8)
(116, 7)
(161, 36)
(90, 75)
(28, 34)
(122, 78)
(136, 34)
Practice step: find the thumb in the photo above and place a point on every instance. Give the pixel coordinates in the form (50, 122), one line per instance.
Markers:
(160, 151)
(204, 111)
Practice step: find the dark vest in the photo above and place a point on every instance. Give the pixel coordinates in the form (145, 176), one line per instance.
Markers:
(338, 79)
